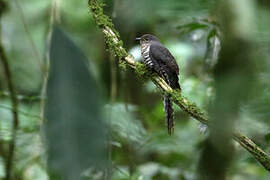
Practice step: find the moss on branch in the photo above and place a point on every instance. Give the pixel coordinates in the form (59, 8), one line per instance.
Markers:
(112, 38)
(115, 45)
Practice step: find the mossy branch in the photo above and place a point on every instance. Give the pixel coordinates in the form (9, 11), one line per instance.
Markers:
(115, 45)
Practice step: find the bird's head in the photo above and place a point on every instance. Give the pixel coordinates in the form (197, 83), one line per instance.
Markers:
(147, 38)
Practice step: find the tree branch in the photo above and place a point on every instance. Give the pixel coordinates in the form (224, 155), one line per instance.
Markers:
(14, 100)
(115, 45)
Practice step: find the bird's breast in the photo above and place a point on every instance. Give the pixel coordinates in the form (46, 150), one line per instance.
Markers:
(145, 48)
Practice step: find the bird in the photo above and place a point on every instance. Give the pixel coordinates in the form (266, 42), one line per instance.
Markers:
(158, 58)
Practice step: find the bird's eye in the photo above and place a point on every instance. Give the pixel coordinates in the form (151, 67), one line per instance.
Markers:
(146, 39)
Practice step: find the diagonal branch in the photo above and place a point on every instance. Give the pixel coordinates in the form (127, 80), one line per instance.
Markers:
(115, 45)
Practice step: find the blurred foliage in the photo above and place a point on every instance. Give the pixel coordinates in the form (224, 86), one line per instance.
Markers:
(74, 127)
(139, 145)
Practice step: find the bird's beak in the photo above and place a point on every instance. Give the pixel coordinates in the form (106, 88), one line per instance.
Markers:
(138, 39)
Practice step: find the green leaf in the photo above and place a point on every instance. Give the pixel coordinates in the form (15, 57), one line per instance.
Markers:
(192, 26)
(267, 137)
(213, 48)
(74, 128)
(124, 124)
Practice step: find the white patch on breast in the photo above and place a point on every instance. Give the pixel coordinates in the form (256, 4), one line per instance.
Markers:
(145, 51)
(146, 56)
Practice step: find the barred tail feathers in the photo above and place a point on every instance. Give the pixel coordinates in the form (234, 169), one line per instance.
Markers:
(168, 108)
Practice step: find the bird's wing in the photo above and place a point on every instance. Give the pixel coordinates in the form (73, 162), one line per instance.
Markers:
(163, 55)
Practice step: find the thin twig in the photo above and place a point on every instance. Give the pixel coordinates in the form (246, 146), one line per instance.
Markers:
(20, 112)
(113, 78)
(10, 155)
(43, 95)
(54, 18)
(34, 48)
(115, 46)
(21, 97)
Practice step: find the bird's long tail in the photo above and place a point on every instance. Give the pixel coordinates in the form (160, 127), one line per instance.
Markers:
(172, 80)
(168, 108)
